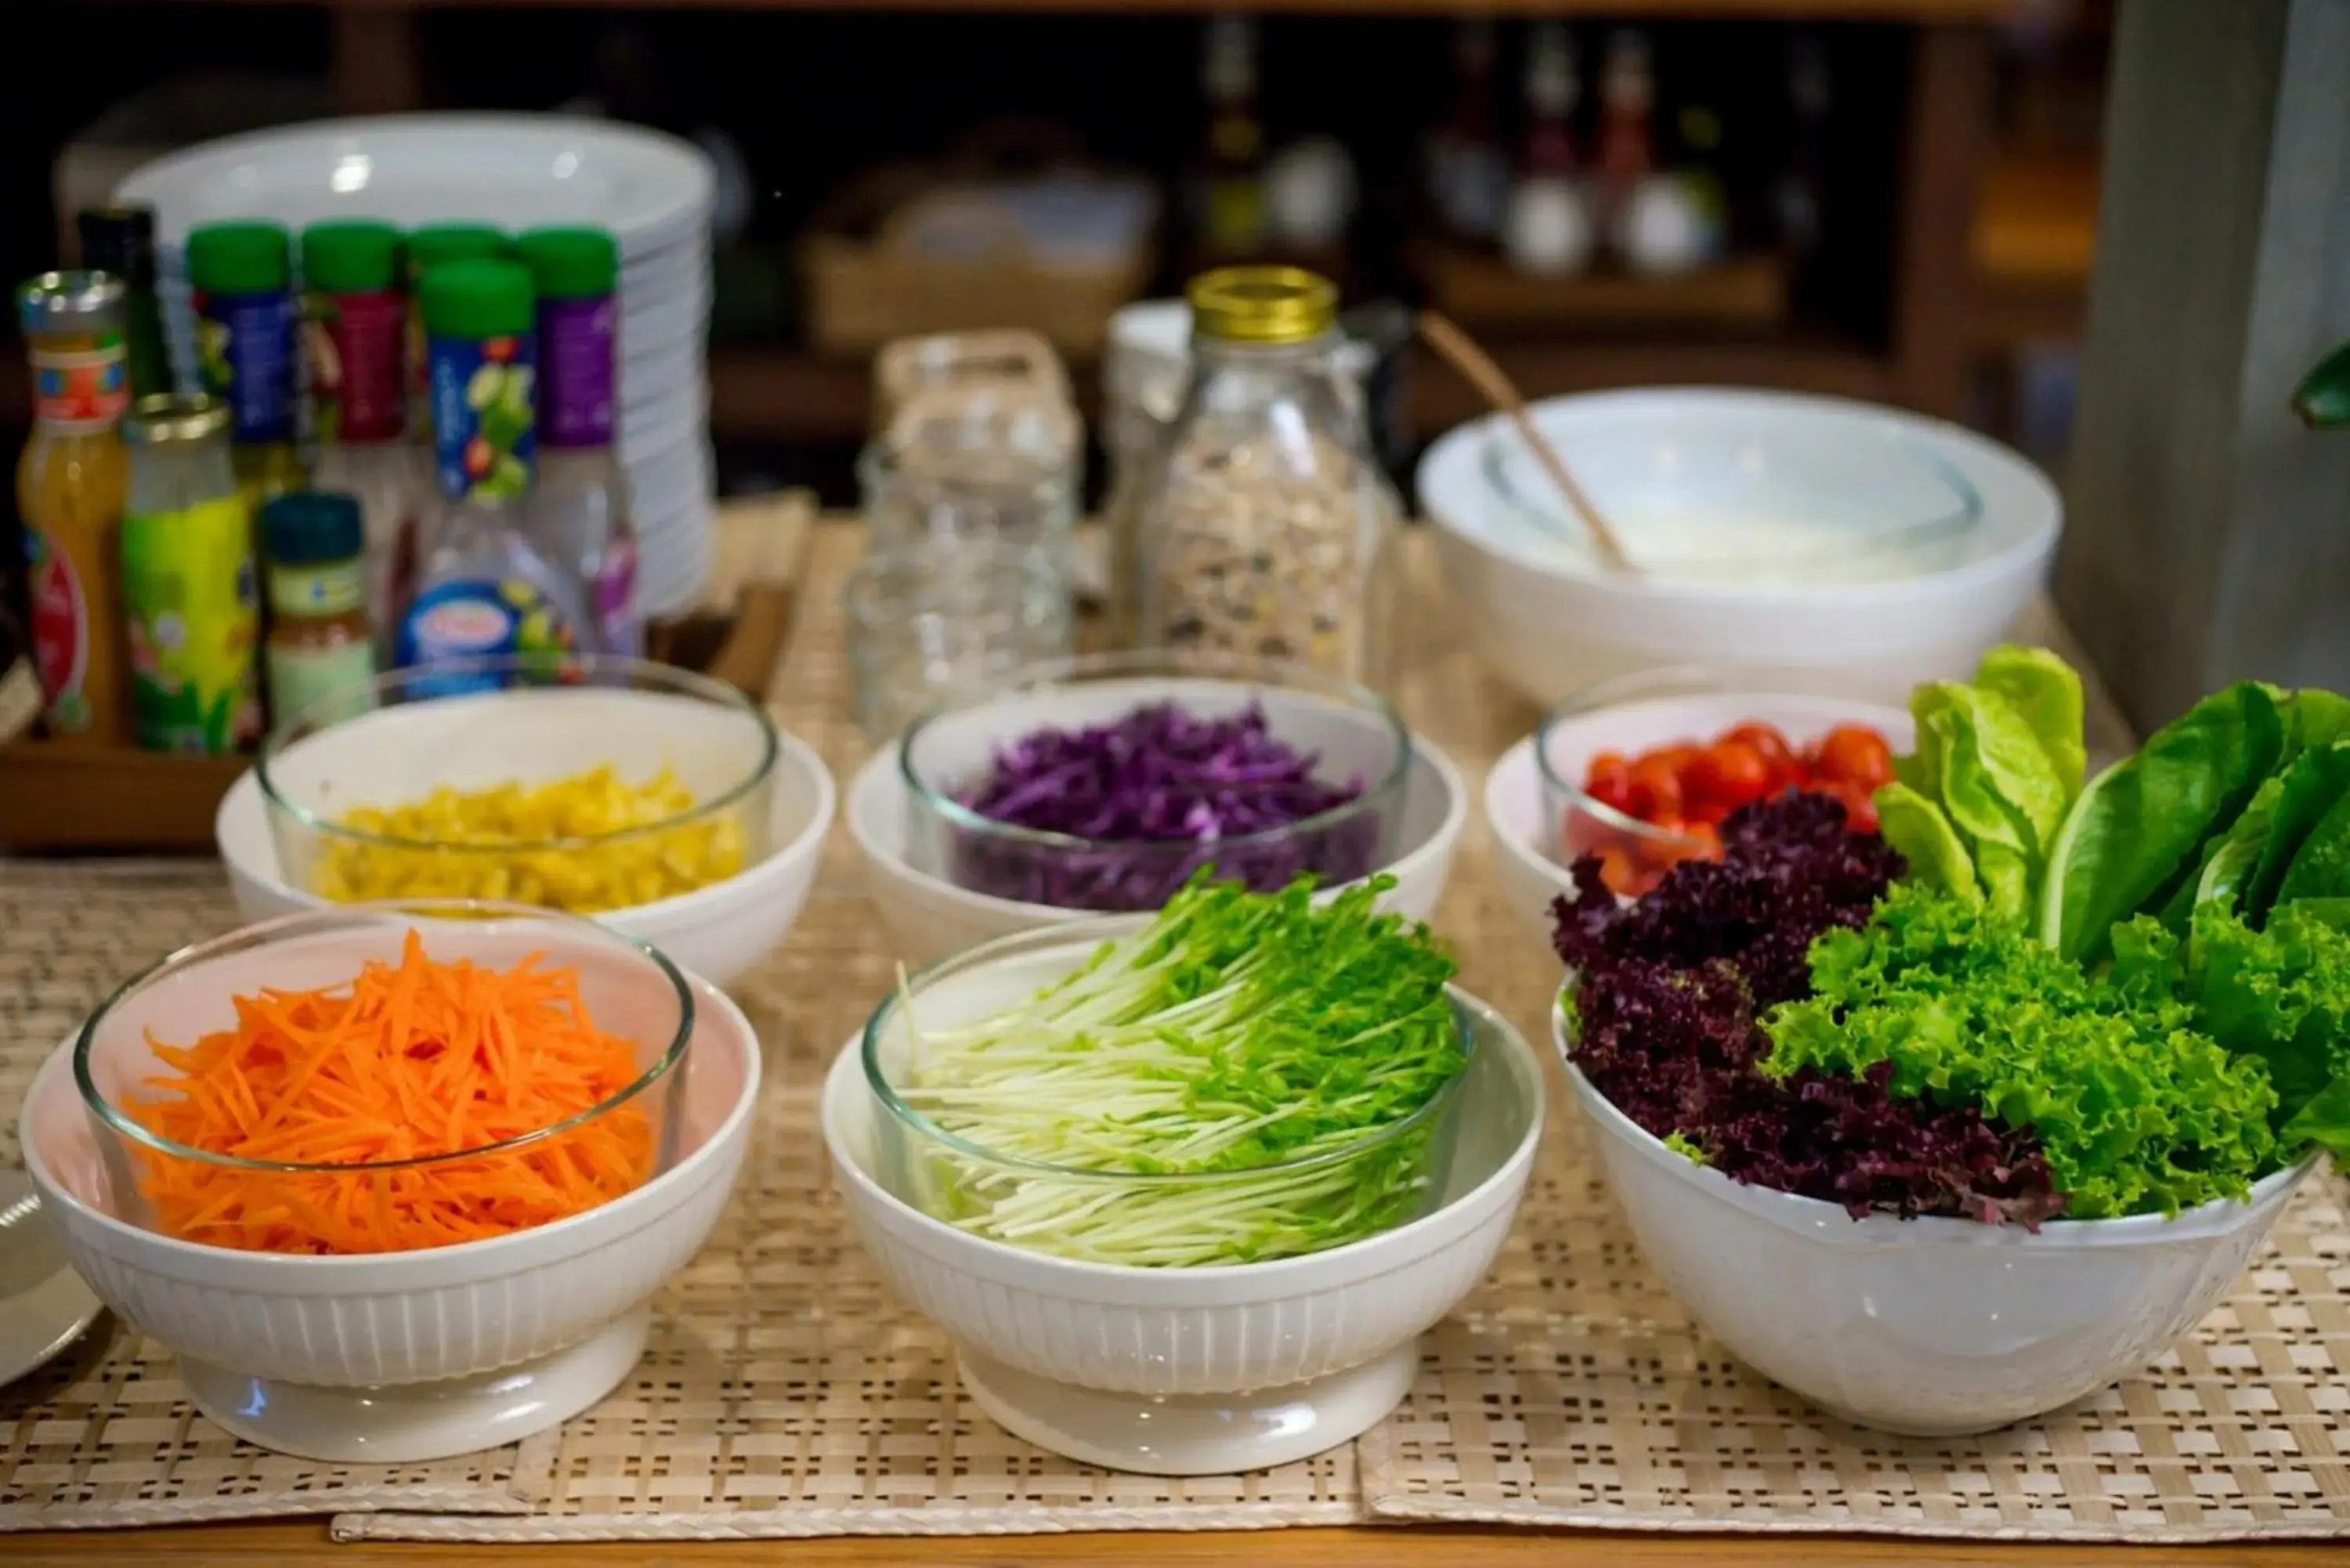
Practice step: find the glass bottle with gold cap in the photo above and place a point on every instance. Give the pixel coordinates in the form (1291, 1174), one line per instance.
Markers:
(1267, 530)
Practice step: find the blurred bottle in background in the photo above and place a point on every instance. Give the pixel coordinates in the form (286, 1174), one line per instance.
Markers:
(1468, 167)
(1549, 225)
(248, 351)
(1628, 96)
(356, 319)
(1232, 188)
(580, 507)
(122, 240)
(1796, 202)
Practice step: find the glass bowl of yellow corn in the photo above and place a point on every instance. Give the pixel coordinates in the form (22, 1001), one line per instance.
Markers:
(587, 784)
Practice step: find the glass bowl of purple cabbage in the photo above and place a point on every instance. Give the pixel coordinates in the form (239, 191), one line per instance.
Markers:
(1104, 782)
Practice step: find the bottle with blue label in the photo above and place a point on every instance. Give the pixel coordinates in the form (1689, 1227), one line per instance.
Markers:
(248, 349)
(485, 591)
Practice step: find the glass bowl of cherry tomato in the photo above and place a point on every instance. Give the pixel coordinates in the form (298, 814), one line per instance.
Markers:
(1642, 770)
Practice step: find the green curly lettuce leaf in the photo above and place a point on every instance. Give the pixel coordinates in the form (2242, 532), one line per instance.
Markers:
(2137, 1110)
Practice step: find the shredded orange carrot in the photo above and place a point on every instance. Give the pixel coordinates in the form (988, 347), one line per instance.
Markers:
(424, 1059)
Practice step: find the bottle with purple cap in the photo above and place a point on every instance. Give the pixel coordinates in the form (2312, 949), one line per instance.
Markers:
(579, 509)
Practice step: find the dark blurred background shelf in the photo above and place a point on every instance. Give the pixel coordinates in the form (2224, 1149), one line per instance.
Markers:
(1951, 271)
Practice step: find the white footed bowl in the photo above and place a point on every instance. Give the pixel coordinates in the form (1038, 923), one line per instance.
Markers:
(1523, 823)
(1548, 623)
(928, 917)
(720, 933)
(401, 1357)
(1930, 1327)
(1213, 1370)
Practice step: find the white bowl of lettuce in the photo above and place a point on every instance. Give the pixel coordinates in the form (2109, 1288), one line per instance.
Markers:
(2136, 986)
(1151, 1265)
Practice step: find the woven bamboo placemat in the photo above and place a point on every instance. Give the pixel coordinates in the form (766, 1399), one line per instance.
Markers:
(105, 1435)
(785, 1393)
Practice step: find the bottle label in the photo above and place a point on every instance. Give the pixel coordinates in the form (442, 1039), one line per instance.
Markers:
(194, 612)
(321, 685)
(60, 632)
(615, 590)
(20, 698)
(483, 424)
(480, 617)
(358, 344)
(317, 592)
(245, 350)
(80, 388)
(576, 347)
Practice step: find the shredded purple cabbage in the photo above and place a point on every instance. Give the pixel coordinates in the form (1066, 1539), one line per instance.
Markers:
(1157, 792)
(1667, 994)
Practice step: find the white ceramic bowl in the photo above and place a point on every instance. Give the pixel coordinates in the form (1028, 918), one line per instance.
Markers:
(928, 917)
(1930, 1327)
(719, 932)
(1527, 838)
(1198, 1370)
(1549, 623)
(404, 1356)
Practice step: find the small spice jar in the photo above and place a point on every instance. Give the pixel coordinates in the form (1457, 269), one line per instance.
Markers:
(1266, 528)
(321, 653)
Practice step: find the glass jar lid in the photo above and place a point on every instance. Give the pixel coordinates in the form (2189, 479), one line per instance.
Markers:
(1267, 305)
(70, 302)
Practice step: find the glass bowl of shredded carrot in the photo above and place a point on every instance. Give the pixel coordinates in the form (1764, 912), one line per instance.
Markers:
(587, 786)
(387, 1078)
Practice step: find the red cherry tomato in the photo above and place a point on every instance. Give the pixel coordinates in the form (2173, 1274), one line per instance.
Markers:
(1609, 781)
(1656, 789)
(1726, 776)
(1619, 872)
(1853, 754)
(1765, 742)
(1860, 810)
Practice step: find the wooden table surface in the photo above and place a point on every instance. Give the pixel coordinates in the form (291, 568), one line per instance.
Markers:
(305, 1540)
(262, 1545)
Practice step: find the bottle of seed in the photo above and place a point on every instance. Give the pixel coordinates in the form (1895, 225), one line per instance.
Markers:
(321, 645)
(247, 350)
(188, 582)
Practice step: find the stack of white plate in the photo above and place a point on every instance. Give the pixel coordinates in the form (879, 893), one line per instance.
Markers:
(653, 191)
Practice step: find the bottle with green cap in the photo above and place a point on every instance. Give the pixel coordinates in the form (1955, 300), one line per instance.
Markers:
(430, 245)
(247, 353)
(321, 653)
(487, 591)
(355, 328)
(580, 508)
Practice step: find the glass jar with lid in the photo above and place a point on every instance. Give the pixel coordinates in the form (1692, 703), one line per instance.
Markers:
(1266, 528)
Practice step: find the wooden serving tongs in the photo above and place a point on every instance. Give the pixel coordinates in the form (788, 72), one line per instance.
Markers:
(1476, 366)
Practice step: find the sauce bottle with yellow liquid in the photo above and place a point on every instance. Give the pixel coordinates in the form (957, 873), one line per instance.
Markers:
(71, 483)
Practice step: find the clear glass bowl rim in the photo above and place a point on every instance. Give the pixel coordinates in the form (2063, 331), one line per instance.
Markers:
(1090, 935)
(1639, 686)
(264, 931)
(1173, 666)
(657, 677)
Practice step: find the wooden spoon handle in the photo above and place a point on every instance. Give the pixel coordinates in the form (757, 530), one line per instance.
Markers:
(1476, 366)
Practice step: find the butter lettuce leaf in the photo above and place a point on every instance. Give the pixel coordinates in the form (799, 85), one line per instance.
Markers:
(2140, 827)
(1937, 856)
(2045, 694)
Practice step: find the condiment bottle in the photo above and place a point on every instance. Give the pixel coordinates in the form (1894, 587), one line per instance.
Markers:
(580, 507)
(1232, 194)
(70, 485)
(1627, 91)
(248, 349)
(357, 322)
(190, 597)
(485, 589)
(1267, 530)
(20, 686)
(122, 240)
(431, 245)
(1548, 229)
(321, 654)
(1468, 171)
